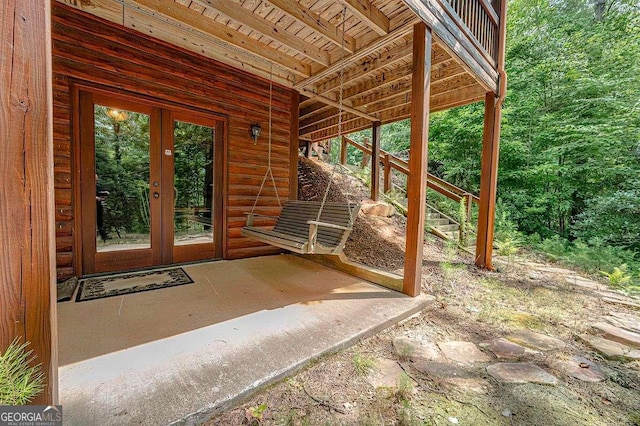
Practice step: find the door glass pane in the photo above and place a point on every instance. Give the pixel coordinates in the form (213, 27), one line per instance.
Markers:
(193, 183)
(122, 179)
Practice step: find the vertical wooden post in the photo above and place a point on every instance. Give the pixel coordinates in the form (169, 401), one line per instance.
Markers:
(27, 230)
(294, 130)
(343, 151)
(375, 161)
(490, 153)
(416, 186)
(488, 181)
(387, 173)
(309, 143)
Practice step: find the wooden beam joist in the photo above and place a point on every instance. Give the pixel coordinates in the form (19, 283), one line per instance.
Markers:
(267, 28)
(316, 22)
(368, 13)
(360, 54)
(210, 27)
(346, 108)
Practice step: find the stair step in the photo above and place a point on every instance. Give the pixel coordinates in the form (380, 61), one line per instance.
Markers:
(449, 228)
(437, 222)
(453, 235)
(619, 335)
(432, 215)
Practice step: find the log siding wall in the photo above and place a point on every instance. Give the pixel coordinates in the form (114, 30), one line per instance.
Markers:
(88, 50)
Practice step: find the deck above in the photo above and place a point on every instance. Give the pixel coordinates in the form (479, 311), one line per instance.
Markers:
(307, 45)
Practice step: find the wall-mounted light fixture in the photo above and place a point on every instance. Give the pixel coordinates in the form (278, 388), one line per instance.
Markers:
(117, 114)
(255, 132)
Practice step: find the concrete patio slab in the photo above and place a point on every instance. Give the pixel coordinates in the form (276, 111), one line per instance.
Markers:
(178, 355)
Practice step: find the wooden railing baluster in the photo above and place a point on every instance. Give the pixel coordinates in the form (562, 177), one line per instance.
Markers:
(481, 19)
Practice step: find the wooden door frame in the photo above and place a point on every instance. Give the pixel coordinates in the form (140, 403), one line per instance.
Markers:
(222, 138)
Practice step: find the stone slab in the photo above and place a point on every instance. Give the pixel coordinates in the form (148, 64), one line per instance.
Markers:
(620, 335)
(377, 208)
(463, 352)
(414, 349)
(511, 372)
(611, 349)
(582, 369)
(538, 341)
(385, 374)
(624, 302)
(505, 349)
(585, 283)
(443, 370)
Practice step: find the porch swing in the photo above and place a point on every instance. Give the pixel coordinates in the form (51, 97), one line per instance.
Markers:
(305, 227)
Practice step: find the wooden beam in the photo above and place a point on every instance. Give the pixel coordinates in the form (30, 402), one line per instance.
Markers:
(367, 12)
(375, 160)
(416, 183)
(490, 156)
(488, 181)
(245, 17)
(346, 108)
(365, 51)
(369, 66)
(455, 42)
(294, 130)
(316, 22)
(27, 230)
(210, 27)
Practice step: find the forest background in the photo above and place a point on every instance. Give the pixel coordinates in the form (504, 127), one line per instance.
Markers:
(569, 173)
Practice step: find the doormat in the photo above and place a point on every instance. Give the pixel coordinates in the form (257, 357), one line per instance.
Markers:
(117, 285)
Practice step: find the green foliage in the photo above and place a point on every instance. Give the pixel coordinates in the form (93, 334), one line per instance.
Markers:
(255, 414)
(19, 382)
(618, 278)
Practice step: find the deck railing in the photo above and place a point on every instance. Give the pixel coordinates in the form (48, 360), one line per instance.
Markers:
(480, 22)
(391, 162)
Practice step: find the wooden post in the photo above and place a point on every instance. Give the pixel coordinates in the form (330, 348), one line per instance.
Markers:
(488, 181)
(490, 153)
(309, 143)
(343, 151)
(294, 130)
(416, 186)
(375, 161)
(387, 173)
(27, 230)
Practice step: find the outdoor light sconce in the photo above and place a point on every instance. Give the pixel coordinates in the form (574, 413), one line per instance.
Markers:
(255, 132)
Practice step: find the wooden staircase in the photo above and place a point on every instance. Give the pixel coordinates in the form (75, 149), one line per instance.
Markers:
(445, 227)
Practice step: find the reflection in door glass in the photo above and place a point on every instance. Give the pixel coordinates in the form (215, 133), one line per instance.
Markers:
(193, 183)
(122, 179)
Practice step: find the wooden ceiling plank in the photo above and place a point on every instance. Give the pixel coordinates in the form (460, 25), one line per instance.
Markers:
(331, 102)
(209, 27)
(368, 13)
(315, 22)
(267, 28)
(360, 54)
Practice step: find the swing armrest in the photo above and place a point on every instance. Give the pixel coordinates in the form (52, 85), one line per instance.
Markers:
(328, 225)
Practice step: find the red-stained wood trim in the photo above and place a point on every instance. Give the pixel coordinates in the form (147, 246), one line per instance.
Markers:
(375, 161)
(294, 130)
(416, 184)
(27, 235)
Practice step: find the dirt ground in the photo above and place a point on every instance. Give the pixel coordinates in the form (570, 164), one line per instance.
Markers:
(470, 305)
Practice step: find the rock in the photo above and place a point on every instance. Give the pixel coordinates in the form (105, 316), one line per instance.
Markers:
(620, 301)
(582, 369)
(624, 320)
(586, 283)
(537, 341)
(504, 349)
(386, 373)
(442, 370)
(611, 349)
(620, 335)
(407, 348)
(464, 352)
(378, 208)
(509, 372)
(66, 288)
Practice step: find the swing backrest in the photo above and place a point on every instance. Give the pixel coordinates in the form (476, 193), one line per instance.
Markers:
(295, 215)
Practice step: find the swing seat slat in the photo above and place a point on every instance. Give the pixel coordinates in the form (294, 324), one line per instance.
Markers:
(298, 230)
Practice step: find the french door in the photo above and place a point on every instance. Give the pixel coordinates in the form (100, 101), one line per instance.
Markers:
(151, 184)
